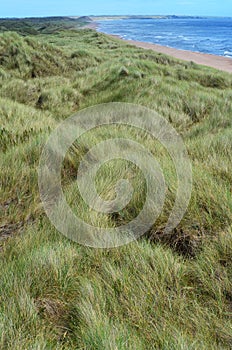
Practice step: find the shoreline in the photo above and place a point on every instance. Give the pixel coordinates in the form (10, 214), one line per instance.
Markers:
(209, 60)
(92, 25)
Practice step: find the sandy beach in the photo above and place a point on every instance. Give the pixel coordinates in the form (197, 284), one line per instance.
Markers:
(214, 61)
(92, 25)
(218, 62)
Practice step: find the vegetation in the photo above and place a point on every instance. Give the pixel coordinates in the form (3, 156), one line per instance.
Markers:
(45, 25)
(161, 292)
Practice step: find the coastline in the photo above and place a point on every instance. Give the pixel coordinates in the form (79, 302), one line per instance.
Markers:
(213, 61)
(92, 25)
(208, 60)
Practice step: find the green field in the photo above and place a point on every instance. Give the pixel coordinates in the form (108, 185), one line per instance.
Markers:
(160, 292)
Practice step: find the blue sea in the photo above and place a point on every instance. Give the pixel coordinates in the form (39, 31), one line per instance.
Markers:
(207, 35)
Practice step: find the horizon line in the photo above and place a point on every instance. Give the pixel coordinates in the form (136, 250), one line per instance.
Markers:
(111, 15)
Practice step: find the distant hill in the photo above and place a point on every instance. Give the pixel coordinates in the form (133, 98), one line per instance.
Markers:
(104, 17)
(42, 25)
(84, 19)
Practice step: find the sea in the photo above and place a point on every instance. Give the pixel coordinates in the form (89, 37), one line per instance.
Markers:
(207, 35)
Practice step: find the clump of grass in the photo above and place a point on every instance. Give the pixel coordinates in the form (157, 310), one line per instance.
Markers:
(58, 100)
(215, 81)
(198, 108)
(123, 72)
(30, 58)
(80, 54)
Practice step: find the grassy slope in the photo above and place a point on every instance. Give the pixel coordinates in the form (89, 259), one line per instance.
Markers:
(44, 25)
(165, 293)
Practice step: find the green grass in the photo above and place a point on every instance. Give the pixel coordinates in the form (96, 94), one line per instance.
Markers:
(45, 25)
(161, 292)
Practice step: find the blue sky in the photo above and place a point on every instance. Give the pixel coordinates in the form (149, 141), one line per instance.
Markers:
(26, 8)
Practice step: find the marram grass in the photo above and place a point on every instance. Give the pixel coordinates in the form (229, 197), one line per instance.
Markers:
(161, 292)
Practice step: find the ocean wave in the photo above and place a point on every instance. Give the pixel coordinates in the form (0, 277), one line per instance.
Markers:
(183, 37)
(210, 36)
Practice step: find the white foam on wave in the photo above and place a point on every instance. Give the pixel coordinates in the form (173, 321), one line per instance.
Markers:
(185, 38)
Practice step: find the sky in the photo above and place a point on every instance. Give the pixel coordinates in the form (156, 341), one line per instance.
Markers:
(27, 8)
